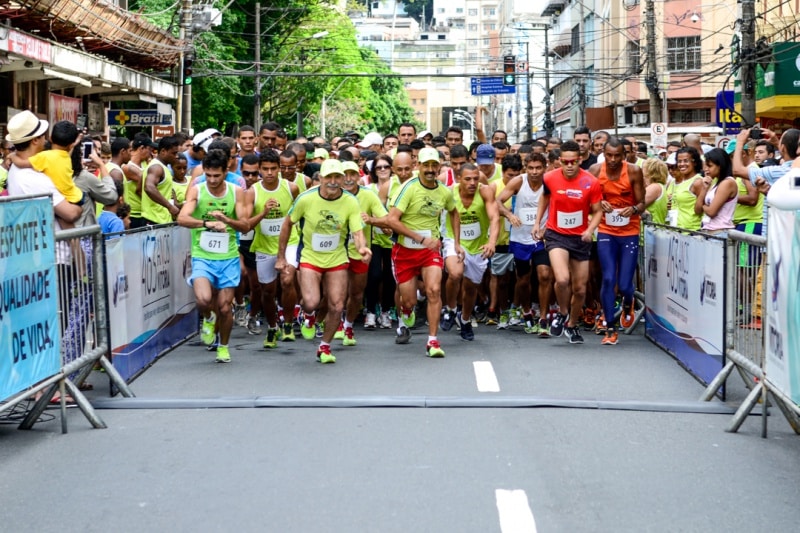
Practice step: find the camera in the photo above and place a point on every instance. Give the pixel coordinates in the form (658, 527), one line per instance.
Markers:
(755, 134)
(88, 146)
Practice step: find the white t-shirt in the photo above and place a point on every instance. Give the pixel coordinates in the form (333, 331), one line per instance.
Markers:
(22, 181)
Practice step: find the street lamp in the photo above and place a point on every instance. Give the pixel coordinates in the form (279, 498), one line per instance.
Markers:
(324, 107)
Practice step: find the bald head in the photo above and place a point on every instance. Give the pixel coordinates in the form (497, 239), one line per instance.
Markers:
(403, 165)
(693, 140)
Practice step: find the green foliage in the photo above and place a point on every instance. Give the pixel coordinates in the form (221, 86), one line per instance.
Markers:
(415, 8)
(223, 87)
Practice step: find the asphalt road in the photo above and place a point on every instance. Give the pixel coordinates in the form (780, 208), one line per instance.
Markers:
(474, 467)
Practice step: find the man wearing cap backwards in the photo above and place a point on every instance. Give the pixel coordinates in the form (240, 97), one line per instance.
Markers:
(415, 215)
(570, 194)
(480, 227)
(271, 198)
(215, 210)
(372, 141)
(200, 142)
(373, 213)
(328, 216)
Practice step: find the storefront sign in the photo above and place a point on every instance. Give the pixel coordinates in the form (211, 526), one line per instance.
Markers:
(64, 108)
(138, 117)
(727, 117)
(26, 46)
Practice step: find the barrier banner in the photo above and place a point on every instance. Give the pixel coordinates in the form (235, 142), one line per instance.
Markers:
(684, 287)
(782, 303)
(151, 307)
(30, 342)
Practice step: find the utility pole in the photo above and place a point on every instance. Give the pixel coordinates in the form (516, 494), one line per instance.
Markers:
(651, 81)
(186, 89)
(257, 95)
(747, 68)
(582, 81)
(548, 115)
(529, 115)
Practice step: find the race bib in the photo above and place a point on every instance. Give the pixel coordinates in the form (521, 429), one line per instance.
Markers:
(615, 219)
(569, 220)
(271, 227)
(527, 216)
(215, 242)
(324, 242)
(672, 217)
(249, 236)
(377, 231)
(411, 243)
(470, 232)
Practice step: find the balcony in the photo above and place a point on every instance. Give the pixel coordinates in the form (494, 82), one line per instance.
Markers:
(97, 27)
(554, 7)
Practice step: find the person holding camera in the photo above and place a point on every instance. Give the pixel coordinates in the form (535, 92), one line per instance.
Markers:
(787, 146)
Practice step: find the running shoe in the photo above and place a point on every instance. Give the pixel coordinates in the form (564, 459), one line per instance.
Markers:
(207, 334)
(544, 329)
(492, 318)
(349, 339)
(626, 319)
(515, 317)
(589, 316)
(223, 355)
(600, 325)
(319, 329)
(448, 319)
(339, 335)
(288, 333)
(370, 321)
(325, 356)
(410, 320)
(531, 327)
(473, 321)
(557, 325)
(611, 338)
(307, 329)
(574, 334)
(213, 346)
(503, 324)
(466, 331)
(385, 321)
(404, 336)
(240, 314)
(271, 340)
(253, 326)
(479, 313)
(433, 349)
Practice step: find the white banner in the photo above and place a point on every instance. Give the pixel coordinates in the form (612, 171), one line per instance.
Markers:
(781, 302)
(684, 284)
(151, 307)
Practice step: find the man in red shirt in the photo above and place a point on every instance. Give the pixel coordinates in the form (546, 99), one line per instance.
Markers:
(570, 195)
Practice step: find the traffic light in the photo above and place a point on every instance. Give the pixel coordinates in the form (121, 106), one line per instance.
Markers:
(188, 61)
(509, 70)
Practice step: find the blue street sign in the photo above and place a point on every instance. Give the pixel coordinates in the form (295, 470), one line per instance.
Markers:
(493, 85)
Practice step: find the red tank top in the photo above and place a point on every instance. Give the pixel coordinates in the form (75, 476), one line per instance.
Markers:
(619, 193)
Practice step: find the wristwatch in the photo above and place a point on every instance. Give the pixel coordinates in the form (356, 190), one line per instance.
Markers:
(636, 209)
(205, 224)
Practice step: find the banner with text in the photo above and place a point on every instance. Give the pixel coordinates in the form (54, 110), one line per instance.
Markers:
(30, 343)
(684, 288)
(151, 307)
(782, 303)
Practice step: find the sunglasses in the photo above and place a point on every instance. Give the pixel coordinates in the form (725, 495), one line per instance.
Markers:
(382, 167)
(569, 162)
(249, 172)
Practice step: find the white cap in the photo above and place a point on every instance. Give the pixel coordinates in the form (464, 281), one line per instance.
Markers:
(370, 138)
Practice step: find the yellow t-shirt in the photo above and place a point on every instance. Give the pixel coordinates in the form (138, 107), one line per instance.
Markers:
(57, 165)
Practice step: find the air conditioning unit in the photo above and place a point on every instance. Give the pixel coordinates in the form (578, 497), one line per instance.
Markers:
(621, 116)
(641, 119)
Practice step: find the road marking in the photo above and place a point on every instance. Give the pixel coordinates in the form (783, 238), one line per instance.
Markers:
(484, 375)
(515, 513)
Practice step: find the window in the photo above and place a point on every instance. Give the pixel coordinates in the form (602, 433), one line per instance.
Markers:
(689, 115)
(376, 5)
(486, 42)
(576, 38)
(473, 42)
(441, 37)
(488, 27)
(472, 56)
(489, 12)
(423, 37)
(421, 101)
(683, 53)
(460, 10)
(459, 25)
(473, 27)
(633, 53)
(473, 12)
(440, 10)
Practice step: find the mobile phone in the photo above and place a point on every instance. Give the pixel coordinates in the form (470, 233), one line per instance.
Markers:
(88, 146)
(755, 133)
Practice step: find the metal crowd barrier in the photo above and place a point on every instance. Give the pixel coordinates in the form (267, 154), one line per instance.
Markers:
(83, 328)
(745, 352)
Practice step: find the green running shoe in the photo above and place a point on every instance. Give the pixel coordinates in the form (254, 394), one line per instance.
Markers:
(307, 330)
(411, 320)
(325, 356)
(271, 340)
(349, 339)
(288, 333)
(434, 350)
(207, 334)
(339, 335)
(223, 355)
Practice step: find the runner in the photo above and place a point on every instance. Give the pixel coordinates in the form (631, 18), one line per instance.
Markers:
(249, 170)
(415, 216)
(480, 227)
(371, 211)
(570, 194)
(623, 196)
(215, 211)
(327, 216)
(157, 204)
(380, 282)
(528, 251)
